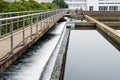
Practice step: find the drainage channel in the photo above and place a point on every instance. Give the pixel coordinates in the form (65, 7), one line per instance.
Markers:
(32, 65)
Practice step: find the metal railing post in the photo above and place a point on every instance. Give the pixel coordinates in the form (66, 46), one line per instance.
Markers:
(0, 15)
(53, 17)
(18, 22)
(47, 19)
(6, 24)
(0, 29)
(11, 32)
(10, 15)
(41, 22)
(44, 21)
(37, 25)
(50, 18)
(23, 31)
(31, 27)
(55, 14)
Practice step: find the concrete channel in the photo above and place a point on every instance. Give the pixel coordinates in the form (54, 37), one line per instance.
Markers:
(90, 56)
(54, 67)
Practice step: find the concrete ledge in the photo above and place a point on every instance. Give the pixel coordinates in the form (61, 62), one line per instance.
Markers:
(106, 29)
(112, 24)
(58, 71)
(85, 24)
(91, 24)
(107, 18)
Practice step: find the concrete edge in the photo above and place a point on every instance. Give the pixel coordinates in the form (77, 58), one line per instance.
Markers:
(58, 71)
(106, 29)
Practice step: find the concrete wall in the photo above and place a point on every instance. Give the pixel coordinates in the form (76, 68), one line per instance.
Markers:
(106, 29)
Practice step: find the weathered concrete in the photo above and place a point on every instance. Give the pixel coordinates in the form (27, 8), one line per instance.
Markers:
(106, 29)
(58, 71)
(102, 13)
(85, 24)
(107, 19)
(98, 15)
(112, 24)
(90, 24)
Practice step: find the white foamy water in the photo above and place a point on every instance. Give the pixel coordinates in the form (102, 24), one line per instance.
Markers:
(31, 65)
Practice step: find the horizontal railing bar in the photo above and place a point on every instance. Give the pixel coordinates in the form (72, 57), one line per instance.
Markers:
(23, 12)
(17, 31)
(17, 17)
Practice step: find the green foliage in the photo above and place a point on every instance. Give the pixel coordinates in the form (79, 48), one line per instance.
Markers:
(3, 5)
(48, 6)
(15, 6)
(60, 3)
(24, 5)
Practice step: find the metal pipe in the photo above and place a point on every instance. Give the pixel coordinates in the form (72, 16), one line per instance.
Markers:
(31, 27)
(41, 22)
(44, 21)
(23, 31)
(22, 12)
(37, 24)
(9, 18)
(6, 25)
(0, 29)
(18, 22)
(11, 32)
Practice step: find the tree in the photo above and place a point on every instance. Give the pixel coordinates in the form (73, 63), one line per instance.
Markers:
(24, 5)
(23, 1)
(60, 3)
(3, 5)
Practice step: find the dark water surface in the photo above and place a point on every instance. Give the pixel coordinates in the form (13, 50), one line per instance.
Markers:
(91, 57)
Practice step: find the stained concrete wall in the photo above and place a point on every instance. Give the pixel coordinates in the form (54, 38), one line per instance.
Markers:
(106, 29)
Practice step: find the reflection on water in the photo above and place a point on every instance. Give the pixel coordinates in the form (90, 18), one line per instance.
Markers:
(31, 64)
(113, 42)
(91, 57)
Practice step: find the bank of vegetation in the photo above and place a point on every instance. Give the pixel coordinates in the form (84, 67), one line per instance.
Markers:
(24, 5)
(60, 3)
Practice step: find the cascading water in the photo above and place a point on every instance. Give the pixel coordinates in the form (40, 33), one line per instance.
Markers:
(31, 65)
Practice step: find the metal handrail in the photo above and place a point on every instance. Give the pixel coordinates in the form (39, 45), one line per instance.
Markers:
(38, 22)
(16, 17)
(10, 14)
